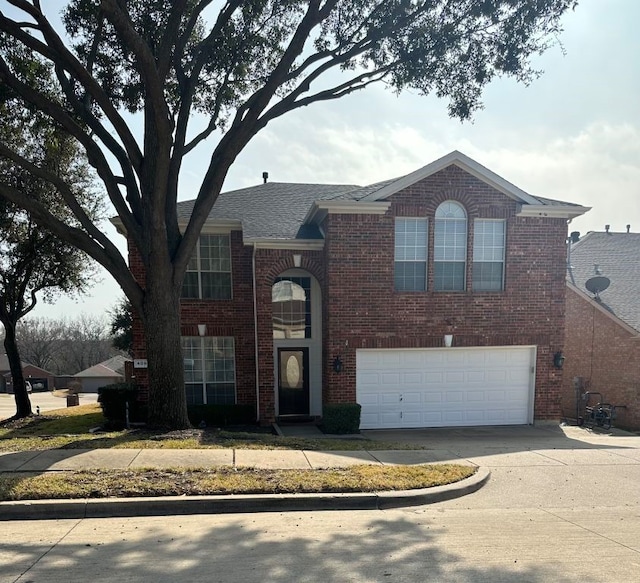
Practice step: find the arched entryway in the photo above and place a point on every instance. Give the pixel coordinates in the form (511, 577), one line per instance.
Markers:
(297, 343)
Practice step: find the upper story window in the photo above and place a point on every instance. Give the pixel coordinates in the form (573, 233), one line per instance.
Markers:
(488, 255)
(410, 265)
(291, 307)
(450, 247)
(208, 274)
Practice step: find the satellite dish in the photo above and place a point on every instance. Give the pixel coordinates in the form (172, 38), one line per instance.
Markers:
(597, 284)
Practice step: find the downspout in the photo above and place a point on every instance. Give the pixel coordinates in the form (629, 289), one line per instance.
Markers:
(255, 331)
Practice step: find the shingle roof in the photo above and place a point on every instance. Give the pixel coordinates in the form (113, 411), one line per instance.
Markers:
(274, 210)
(277, 210)
(113, 367)
(617, 256)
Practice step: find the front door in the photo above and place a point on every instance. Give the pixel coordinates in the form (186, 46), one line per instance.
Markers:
(293, 381)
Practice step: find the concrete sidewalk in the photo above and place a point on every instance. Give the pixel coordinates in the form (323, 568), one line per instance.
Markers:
(56, 460)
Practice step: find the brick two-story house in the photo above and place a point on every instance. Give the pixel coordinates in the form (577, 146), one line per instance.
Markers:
(305, 294)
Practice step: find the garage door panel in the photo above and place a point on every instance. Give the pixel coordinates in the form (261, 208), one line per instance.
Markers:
(432, 397)
(454, 377)
(475, 396)
(445, 386)
(412, 379)
(433, 378)
(389, 398)
(409, 398)
(476, 376)
(391, 379)
(369, 400)
(498, 376)
(496, 396)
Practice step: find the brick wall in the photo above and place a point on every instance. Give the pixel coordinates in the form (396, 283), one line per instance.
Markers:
(232, 317)
(605, 354)
(364, 311)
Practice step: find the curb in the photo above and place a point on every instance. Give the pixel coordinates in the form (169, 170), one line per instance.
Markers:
(184, 505)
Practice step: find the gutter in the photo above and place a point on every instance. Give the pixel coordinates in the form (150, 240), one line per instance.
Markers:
(255, 331)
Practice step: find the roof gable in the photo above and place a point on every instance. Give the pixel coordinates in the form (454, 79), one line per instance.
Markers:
(465, 163)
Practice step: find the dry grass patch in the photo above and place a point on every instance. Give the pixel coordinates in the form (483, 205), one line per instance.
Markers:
(192, 482)
(69, 428)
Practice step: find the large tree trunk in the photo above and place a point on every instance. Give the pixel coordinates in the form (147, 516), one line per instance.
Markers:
(23, 403)
(161, 318)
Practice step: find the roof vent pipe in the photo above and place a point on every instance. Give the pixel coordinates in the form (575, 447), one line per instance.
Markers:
(606, 228)
(628, 228)
(265, 177)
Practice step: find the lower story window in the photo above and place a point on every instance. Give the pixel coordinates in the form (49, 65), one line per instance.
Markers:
(209, 370)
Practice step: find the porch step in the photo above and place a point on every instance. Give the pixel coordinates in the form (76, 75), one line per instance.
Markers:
(296, 419)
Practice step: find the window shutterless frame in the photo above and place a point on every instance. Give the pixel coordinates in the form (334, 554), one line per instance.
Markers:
(410, 254)
(488, 254)
(208, 273)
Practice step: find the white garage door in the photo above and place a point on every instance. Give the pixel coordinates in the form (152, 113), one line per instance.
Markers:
(445, 387)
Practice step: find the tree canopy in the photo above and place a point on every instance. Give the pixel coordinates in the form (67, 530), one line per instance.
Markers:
(240, 65)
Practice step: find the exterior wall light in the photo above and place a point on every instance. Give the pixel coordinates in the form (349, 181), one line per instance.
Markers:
(202, 329)
(337, 364)
(558, 359)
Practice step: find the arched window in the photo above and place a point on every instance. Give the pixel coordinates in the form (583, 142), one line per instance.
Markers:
(450, 247)
(291, 303)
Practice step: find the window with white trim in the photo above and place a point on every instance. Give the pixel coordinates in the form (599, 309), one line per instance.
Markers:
(488, 255)
(450, 247)
(410, 263)
(208, 275)
(209, 370)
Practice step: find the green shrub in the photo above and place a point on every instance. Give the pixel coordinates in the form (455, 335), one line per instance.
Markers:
(221, 415)
(114, 398)
(342, 418)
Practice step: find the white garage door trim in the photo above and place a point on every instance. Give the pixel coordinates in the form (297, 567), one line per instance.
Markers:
(445, 387)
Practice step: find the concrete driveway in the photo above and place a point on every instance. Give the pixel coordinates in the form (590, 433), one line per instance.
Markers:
(538, 466)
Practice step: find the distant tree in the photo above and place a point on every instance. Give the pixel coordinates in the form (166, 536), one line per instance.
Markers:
(86, 342)
(33, 261)
(239, 65)
(39, 342)
(121, 317)
(65, 346)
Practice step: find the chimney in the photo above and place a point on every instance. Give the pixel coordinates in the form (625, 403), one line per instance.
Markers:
(628, 228)
(265, 177)
(606, 228)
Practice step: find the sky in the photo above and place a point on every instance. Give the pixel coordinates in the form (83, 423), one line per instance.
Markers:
(572, 135)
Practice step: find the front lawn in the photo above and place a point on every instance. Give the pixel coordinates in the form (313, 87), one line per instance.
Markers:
(70, 428)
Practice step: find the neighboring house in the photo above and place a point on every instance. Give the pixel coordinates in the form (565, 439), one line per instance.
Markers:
(105, 373)
(354, 289)
(40, 379)
(602, 344)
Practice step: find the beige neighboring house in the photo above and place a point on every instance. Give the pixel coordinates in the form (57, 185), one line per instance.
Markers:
(105, 373)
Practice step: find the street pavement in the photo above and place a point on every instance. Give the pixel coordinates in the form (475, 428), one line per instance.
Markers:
(562, 505)
(46, 401)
